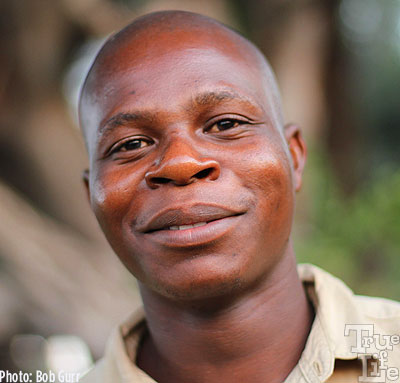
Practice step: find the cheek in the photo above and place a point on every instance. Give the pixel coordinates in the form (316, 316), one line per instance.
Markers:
(112, 193)
(268, 174)
(270, 180)
(114, 196)
(276, 185)
(267, 170)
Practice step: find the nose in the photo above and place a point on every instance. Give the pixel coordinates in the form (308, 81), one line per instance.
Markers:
(181, 165)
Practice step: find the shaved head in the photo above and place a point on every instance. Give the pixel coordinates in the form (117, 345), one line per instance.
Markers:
(159, 34)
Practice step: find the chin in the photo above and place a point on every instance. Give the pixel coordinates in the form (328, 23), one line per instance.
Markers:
(200, 290)
(199, 280)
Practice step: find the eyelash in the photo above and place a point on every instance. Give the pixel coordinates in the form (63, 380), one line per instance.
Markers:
(235, 122)
(119, 146)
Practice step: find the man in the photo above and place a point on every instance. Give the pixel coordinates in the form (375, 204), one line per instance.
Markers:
(192, 178)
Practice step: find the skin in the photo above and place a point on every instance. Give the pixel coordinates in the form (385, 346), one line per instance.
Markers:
(183, 125)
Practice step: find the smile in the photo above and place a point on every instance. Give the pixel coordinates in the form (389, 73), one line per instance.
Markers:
(189, 226)
(198, 234)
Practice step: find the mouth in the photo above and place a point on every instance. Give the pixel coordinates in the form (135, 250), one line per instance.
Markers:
(185, 217)
(185, 227)
(190, 225)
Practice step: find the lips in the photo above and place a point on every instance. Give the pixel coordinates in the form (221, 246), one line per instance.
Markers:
(186, 217)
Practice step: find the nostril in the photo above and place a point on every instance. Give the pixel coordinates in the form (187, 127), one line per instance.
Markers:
(182, 172)
(160, 180)
(203, 173)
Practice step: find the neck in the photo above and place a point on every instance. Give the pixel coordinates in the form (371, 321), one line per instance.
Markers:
(258, 337)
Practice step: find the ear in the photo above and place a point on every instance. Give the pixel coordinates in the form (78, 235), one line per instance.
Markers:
(298, 152)
(85, 179)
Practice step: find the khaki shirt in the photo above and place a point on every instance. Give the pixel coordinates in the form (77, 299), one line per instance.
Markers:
(347, 332)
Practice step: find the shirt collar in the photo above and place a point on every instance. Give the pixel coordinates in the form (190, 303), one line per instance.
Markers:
(334, 305)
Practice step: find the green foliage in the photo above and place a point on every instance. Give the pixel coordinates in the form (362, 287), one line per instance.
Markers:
(356, 238)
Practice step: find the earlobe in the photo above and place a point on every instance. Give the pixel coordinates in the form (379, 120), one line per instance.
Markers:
(298, 152)
(85, 179)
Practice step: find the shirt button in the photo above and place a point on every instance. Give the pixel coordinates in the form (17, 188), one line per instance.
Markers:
(317, 367)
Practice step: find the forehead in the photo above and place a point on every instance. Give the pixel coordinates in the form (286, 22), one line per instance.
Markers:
(176, 76)
(160, 71)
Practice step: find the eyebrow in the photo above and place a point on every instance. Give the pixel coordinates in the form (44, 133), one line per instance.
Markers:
(123, 118)
(203, 99)
(215, 97)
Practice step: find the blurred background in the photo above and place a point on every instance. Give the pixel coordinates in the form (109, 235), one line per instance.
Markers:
(338, 65)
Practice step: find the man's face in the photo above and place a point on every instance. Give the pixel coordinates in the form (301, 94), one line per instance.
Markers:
(190, 175)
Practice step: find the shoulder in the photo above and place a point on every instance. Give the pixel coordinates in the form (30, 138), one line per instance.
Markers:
(378, 308)
(336, 300)
(383, 313)
(347, 320)
(95, 374)
(116, 366)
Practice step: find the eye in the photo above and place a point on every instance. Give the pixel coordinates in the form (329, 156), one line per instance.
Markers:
(222, 125)
(130, 144)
